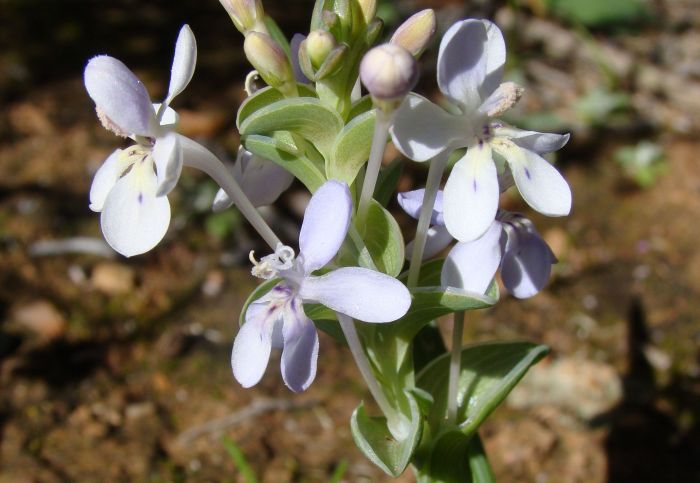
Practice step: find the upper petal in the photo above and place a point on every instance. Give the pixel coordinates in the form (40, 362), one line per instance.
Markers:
(184, 62)
(471, 266)
(470, 199)
(119, 94)
(470, 62)
(539, 183)
(527, 265)
(251, 348)
(412, 201)
(361, 293)
(535, 141)
(421, 130)
(104, 180)
(326, 222)
(300, 351)
(133, 219)
(167, 154)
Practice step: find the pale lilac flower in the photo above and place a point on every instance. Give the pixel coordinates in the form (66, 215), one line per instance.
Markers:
(511, 243)
(470, 67)
(277, 319)
(129, 188)
(261, 180)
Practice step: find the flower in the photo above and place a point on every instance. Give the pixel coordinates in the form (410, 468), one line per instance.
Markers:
(470, 67)
(127, 190)
(511, 242)
(277, 319)
(261, 180)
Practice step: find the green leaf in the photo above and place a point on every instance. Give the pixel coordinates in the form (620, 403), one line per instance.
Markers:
(382, 238)
(427, 345)
(351, 149)
(285, 153)
(489, 372)
(601, 13)
(388, 180)
(360, 106)
(376, 442)
(264, 97)
(305, 116)
(457, 458)
(239, 458)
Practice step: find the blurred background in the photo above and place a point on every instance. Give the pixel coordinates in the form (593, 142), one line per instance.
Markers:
(115, 369)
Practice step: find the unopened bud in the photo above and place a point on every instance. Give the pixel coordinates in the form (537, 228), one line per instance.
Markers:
(318, 45)
(247, 15)
(269, 60)
(416, 32)
(369, 9)
(388, 72)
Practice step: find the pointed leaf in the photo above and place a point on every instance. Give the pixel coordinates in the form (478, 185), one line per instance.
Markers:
(383, 239)
(351, 149)
(489, 372)
(373, 438)
(305, 116)
(286, 155)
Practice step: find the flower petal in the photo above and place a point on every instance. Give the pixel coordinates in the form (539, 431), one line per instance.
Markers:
(300, 352)
(184, 61)
(251, 348)
(261, 180)
(438, 239)
(412, 201)
(540, 184)
(133, 219)
(535, 141)
(527, 265)
(471, 266)
(326, 222)
(167, 154)
(422, 130)
(104, 180)
(470, 62)
(168, 120)
(119, 94)
(471, 193)
(361, 293)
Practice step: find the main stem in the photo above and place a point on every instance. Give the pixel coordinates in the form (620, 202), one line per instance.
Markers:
(201, 158)
(455, 366)
(437, 166)
(358, 353)
(376, 154)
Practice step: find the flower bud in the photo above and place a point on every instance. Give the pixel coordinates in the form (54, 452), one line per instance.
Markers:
(388, 72)
(318, 45)
(269, 60)
(416, 32)
(245, 14)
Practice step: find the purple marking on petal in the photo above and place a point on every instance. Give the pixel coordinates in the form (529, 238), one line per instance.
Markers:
(474, 184)
(481, 144)
(140, 198)
(527, 173)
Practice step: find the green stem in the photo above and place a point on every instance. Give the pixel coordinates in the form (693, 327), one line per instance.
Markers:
(376, 154)
(437, 166)
(395, 422)
(455, 366)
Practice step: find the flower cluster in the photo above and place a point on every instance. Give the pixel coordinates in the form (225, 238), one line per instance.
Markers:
(312, 123)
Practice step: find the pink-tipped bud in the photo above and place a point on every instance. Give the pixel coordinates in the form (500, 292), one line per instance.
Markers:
(415, 33)
(389, 72)
(247, 15)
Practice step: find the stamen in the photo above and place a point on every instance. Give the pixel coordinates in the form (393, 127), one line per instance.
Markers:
(269, 266)
(506, 96)
(108, 124)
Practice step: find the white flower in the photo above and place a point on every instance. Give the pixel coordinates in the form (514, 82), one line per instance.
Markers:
(277, 319)
(470, 67)
(129, 188)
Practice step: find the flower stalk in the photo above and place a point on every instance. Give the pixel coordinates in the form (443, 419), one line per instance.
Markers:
(376, 154)
(455, 366)
(437, 166)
